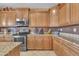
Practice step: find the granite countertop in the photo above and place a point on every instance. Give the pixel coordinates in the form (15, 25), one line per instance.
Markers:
(40, 34)
(71, 39)
(6, 47)
(76, 43)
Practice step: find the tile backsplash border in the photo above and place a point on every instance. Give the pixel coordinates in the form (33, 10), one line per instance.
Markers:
(70, 29)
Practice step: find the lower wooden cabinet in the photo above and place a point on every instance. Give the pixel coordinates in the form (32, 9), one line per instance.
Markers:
(6, 39)
(64, 48)
(39, 42)
(31, 42)
(57, 46)
(47, 42)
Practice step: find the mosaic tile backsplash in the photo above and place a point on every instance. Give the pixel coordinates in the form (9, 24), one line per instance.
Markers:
(71, 29)
(71, 33)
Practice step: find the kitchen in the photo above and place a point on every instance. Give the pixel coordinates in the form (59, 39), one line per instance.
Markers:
(39, 29)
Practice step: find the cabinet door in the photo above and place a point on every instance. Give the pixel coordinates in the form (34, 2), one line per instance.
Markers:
(33, 19)
(39, 19)
(44, 19)
(26, 13)
(74, 13)
(0, 19)
(31, 42)
(8, 18)
(64, 15)
(3, 39)
(11, 18)
(39, 42)
(68, 13)
(47, 42)
(58, 46)
(54, 17)
(19, 13)
(22, 13)
(67, 51)
(3, 19)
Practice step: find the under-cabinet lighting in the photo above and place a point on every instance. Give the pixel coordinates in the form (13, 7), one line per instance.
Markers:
(17, 19)
(3, 23)
(74, 29)
(54, 11)
(61, 29)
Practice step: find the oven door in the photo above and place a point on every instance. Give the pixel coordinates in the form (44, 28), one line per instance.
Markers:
(21, 39)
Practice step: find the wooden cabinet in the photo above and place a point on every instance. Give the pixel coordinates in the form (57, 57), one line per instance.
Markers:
(47, 42)
(22, 13)
(58, 46)
(75, 13)
(8, 18)
(33, 19)
(31, 44)
(70, 49)
(39, 42)
(3, 19)
(3, 39)
(39, 18)
(11, 19)
(54, 21)
(68, 14)
(62, 47)
(64, 14)
(6, 38)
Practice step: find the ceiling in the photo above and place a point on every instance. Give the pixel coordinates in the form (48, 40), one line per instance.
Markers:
(27, 5)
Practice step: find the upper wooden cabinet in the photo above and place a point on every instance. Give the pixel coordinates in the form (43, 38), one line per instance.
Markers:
(11, 19)
(39, 18)
(64, 14)
(22, 13)
(54, 21)
(3, 19)
(8, 18)
(75, 13)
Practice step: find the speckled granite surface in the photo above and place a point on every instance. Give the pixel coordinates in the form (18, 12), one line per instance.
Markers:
(5, 47)
(71, 37)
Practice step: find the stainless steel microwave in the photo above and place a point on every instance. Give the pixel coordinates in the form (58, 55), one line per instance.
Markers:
(22, 23)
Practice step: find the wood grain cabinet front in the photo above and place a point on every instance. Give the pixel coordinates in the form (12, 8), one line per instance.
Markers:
(5, 39)
(39, 42)
(54, 21)
(75, 13)
(22, 13)
(64, 48)
(31, 42)
(39, 18)
(47, 42)
(3, 19)
(57, 46)
(11, 19)
(64, 15)
(8, 18)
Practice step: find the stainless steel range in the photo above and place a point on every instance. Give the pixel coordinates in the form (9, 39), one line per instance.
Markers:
(20, 32)
(22, 39)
